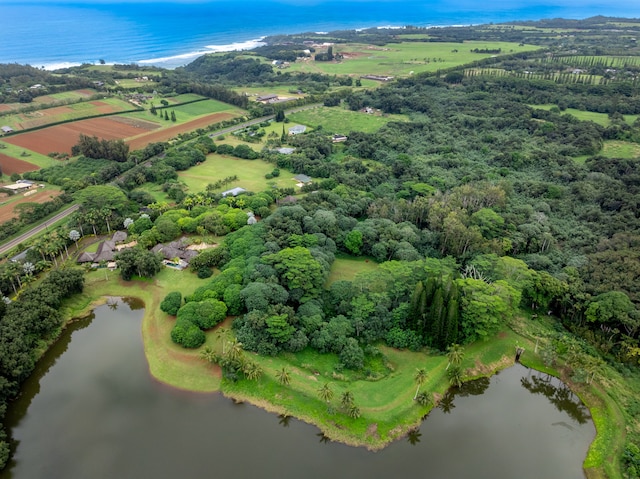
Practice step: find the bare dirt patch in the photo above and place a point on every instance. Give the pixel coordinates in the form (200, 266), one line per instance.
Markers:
(164, 135)
(13, 165)
(61, 138)
(6, 209)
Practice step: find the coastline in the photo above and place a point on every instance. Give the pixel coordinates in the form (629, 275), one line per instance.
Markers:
(178, 33)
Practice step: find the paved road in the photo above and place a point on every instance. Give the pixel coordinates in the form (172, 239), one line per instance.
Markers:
(37, 229)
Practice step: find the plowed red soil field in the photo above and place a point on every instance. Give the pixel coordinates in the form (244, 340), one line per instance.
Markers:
(6, 210)
(61, 138)
(13, 165)
(163, 135)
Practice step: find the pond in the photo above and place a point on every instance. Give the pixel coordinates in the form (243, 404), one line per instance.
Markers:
(91, 410)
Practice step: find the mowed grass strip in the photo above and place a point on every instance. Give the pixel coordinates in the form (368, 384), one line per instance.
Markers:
(250, 174)
(342, 121)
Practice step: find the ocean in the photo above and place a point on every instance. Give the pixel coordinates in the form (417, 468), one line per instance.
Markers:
(55, 34)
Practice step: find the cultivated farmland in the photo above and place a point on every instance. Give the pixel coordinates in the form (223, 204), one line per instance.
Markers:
(61, 138)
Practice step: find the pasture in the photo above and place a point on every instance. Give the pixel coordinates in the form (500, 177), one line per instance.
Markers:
(404, 59)
(343, 121)
(250, 174)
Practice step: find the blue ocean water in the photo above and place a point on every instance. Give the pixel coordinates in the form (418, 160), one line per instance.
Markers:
(54, 33)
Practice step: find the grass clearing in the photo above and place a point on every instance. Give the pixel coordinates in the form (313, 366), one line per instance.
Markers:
(343, 121)
(250, 174)
(347, 267)
(401, 59)
(620, 149)
(599, 118)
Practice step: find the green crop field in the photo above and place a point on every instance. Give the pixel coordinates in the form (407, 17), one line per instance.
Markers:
(339, 120)
(404, 58)
(250, 174)
(205, 107)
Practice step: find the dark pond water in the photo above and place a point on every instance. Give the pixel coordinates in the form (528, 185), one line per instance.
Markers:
(92, 411)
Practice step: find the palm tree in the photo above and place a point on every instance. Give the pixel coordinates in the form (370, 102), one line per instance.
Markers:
(455, 355)
(208, 354)
(420, 378)
(347, 399)
(354, 411)
(455, 376)
(252, 371)
(284, 377)
(234, 351)
(424, 398)
(326, 393)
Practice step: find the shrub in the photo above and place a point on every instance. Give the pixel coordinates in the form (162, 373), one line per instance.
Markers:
(204, 314)
(187, 334)
(171, 303)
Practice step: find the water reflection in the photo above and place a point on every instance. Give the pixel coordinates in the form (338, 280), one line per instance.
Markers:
(558, 394)
(113, 420)
(413, 436)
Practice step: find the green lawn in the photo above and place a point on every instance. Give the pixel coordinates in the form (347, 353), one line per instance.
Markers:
(343, 121)
(201, 108)
(185, 97)
(404, 58)
(347, 267)
(250, 174)
(184, 113)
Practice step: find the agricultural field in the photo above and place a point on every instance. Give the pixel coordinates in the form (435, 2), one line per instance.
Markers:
(50, 100)
(13, 154)
(285, 91)
(183, 98)
(61, 138)
(404, 59)
(599, 118)
(342, 121)
(165, 134)
(250, 174)
(8, 204)
(75, 111)
(186, 113)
